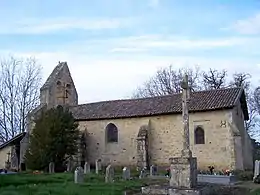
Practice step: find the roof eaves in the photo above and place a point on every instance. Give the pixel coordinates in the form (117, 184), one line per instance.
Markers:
(12, 140)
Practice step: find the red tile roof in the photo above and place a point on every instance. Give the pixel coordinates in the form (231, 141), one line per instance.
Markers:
(170, 104)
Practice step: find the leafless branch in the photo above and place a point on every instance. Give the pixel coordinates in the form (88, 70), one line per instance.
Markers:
(167, 81)
(19, 94)
(214, 79)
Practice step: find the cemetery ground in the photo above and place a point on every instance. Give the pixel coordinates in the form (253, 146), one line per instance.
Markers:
(63, 184)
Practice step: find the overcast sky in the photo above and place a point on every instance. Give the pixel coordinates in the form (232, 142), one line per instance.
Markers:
(112, 46)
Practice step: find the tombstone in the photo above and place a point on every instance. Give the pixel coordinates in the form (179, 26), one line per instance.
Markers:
(78, 175)
(142, 173)
(69, 165)
(126, 173)
(98, 166)
(86, 168)
(257, 169)
(51, 167)
(153, 170)
(109, 174)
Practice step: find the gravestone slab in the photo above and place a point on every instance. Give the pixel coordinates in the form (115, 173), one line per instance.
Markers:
(109, 174)
(51, 167)
(86, 168)
(98, 166)
(153, 170)
(217, 179)
(257, 169)
(69, 165)
(142, 173)
(79, 175)
(126, 173)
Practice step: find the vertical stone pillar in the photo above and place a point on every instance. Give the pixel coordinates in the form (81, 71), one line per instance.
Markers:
(184, 168)
(142, 148)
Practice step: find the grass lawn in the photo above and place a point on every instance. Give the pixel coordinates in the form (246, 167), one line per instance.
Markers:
(63, 184)
(255, 192)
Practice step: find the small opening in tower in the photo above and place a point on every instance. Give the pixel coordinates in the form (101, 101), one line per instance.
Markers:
(68, 86)
(58, 83)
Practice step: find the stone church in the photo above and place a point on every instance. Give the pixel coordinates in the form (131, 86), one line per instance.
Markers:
(141, 132)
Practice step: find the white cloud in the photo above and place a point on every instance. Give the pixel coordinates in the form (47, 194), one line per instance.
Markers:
(153, 42)
(41, 26)
(248, 26)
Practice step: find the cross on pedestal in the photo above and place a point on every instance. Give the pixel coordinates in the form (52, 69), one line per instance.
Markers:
(183, 168)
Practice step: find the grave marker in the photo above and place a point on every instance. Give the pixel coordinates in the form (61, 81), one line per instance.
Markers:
(78, 175)
(257, 169)
(98, 166)
(109, 174)
(126, 173)
(51, 167)
(86, 168)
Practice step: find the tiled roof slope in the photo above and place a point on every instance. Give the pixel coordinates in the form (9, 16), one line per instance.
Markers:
(53, 75)
(170, 104)
(17, 138)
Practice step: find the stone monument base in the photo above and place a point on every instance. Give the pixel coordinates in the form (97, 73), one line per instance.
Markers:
(183, 172)
(167, 190)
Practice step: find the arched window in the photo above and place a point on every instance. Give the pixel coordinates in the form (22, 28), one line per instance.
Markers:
(111, 133)
(199, 135)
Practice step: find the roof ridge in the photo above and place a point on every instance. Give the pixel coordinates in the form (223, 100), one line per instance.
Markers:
(155, 97)
(206, 100)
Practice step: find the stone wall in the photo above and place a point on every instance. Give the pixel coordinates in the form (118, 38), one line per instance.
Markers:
(243, 146)
(165, 139)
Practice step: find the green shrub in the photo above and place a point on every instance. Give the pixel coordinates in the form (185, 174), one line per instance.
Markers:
(244, 175)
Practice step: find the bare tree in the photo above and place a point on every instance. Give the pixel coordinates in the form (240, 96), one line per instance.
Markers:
(167, 81)
(241, 80)
(20, 80)
(214, 79)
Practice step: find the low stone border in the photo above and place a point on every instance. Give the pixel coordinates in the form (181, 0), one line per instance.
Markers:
(217, 179)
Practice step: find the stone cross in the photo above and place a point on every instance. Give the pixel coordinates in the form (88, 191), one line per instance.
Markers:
(184, 168)
(185, 115)
(109, 174)
(86, 168)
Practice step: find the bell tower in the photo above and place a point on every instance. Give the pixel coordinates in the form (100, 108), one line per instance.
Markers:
(59, 88)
